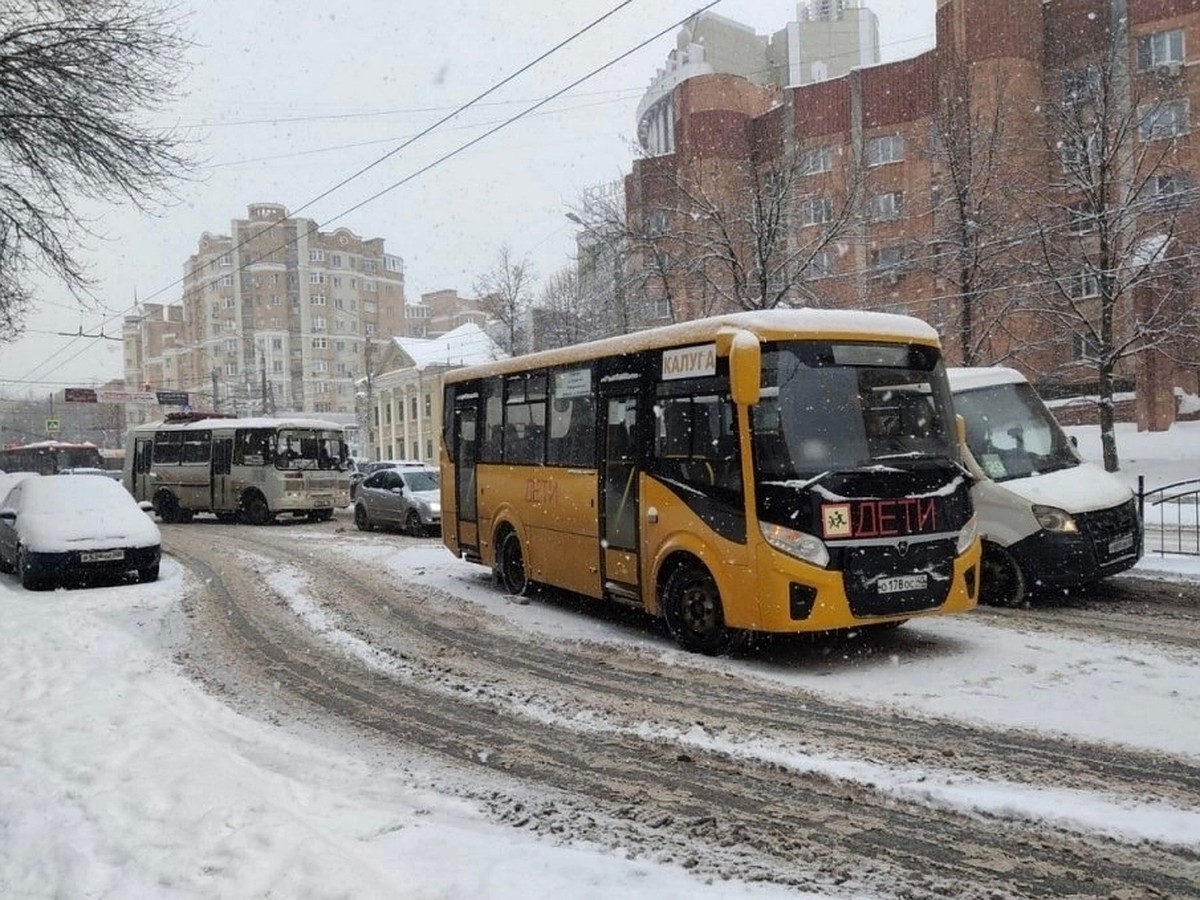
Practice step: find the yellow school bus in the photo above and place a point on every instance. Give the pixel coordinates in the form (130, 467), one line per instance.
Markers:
(780, 471)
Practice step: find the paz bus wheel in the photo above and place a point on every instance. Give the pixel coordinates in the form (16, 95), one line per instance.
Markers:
(255, 509)
(691, 606)
(167, 507)
(512, 565)
(1002, 582)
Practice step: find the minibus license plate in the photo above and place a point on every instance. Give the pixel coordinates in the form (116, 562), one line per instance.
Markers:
(101, 555)
(898, 583)
(1116, 545)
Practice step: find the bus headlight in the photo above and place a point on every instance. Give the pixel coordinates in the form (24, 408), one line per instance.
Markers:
(796, 543)
(1054, 519)
(966, 537)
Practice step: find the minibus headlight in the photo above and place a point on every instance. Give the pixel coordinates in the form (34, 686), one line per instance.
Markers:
(1054, 519)
(966, 537)
(796, 543)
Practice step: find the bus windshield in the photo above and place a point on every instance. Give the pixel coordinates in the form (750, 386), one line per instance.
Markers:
(308, 448)
(1011, 434)
(841, 406)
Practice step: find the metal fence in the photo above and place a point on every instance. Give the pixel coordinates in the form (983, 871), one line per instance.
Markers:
(1171, 516)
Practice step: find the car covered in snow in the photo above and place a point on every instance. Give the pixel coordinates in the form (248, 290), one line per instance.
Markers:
(69, 528)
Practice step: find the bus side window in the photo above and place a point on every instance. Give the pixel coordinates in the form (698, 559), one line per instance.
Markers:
(168, 446)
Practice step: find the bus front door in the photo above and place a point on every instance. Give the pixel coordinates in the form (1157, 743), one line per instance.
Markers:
(143, 479)
(224, 498)
(619, 497)
(466, 445)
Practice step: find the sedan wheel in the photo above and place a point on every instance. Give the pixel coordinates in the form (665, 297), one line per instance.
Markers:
(361, 522)
(412, 524)
(29, 581)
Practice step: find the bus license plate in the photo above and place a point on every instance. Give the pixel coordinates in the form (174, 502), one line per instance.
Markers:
(1125, 542)
(322, 504)
(898, 583)
(101, 555)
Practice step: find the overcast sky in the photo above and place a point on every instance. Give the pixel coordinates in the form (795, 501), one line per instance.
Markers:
(287, 98)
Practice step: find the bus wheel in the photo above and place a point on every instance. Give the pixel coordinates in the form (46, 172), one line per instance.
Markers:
(255, 509)
(167, 507)
(1002, 582)
(512, 565)
(691, 606)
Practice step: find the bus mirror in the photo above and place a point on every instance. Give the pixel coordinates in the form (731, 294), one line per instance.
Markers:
(745, 369)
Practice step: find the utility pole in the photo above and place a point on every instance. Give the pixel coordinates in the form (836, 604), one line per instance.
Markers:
(216, 401)
(263, 372)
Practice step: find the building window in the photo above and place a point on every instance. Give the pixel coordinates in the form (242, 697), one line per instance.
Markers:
(393, 263)
(1162, 49)
(662, 308)
(816, 160)
(1081, 219)
(320, 343)
(277, 367)
(886, 149)
(1168, 191)
(368, 265)
(370, 286)
(428, 405)
(1081, 86)
(816, 211)
(227, 259)
(657, 223)
(276, 343)
(230, 345)
(226, 281)
(369, 328)
(412, 406)
(275, 300)
(231, 368)
(318, 323)
(318, 299)
(316, 277)
(886, 207)
(820, 266)
(336, 260)
(319, 365)
(229, 302)
(316, 255)
(1083, 285)
(887, 263)
(1163, 120)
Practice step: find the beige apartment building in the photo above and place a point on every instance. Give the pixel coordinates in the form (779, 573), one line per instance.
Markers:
(276, 315)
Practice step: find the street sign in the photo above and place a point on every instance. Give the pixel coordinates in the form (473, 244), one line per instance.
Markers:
(52, 426)
(79, 395)
(172, 398)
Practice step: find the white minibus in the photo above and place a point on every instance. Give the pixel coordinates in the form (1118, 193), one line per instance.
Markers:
(1048, 518)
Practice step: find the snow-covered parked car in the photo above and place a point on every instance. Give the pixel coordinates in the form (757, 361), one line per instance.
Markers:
(70, 527)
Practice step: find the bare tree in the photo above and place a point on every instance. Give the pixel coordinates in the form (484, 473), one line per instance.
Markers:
(76, 79)
(505, 294)
(569, 313)
(756, 236)
(1111, 245)
(976, 233)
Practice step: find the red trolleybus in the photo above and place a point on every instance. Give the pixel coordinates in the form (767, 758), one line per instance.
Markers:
(783, 471)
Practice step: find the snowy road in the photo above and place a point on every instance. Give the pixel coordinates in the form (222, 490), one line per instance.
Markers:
(725, 767)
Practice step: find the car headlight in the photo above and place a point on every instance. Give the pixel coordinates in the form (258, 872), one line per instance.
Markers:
(966, 537)
(1054, 519)
(796, 543)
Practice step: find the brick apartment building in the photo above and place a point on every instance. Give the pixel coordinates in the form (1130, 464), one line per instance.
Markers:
(275, 316)
(982, 185)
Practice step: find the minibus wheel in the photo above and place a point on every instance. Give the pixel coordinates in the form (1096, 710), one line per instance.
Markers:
(1002, 582)
(255, 509)
(167, 507)
(511, 565)
(691, 606)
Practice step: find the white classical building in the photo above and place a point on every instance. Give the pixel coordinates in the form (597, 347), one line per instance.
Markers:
(405, 398)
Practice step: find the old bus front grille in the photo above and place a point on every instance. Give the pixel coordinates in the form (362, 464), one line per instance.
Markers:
(864, 567)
